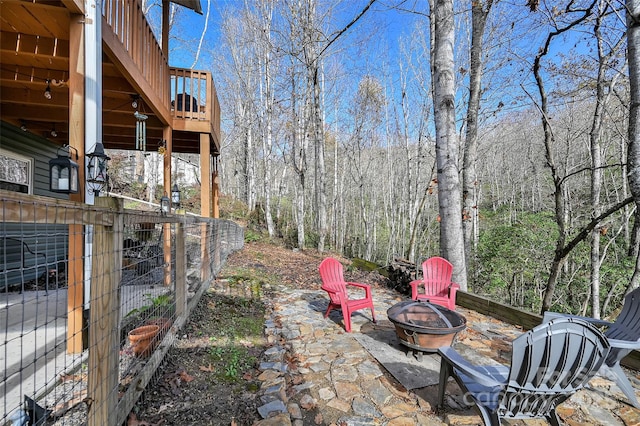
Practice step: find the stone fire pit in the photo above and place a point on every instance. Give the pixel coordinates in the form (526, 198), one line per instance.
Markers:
(424, 327)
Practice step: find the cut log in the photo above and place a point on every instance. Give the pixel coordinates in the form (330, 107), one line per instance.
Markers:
(401, 273)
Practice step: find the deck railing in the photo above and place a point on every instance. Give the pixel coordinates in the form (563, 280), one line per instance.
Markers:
(190, 95)
(140, 269)
(130, 26)
(194, 97)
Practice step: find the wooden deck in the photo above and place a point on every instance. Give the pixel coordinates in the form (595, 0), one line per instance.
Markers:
(40, 49)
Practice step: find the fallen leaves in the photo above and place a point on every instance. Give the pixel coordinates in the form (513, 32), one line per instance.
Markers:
(184, 376)
(174, 379)
(63, 407)
(132, 420)
(73, 377)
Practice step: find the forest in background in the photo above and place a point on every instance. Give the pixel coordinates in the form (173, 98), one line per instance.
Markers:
(330, 135)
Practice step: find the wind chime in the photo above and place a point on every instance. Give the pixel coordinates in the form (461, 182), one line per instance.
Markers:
(141, 131)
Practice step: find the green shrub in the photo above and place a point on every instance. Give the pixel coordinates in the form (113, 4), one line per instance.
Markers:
(514, 259)
(251, 236)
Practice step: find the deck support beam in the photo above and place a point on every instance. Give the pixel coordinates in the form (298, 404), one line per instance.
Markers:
(75, 266)
(166, 134)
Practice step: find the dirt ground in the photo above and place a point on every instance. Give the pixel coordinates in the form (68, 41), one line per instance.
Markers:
(192, 388)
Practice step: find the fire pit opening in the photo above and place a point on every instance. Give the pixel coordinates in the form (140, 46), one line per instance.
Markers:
(424, 326)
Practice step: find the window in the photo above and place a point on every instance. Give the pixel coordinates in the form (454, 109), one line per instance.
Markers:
(15, 172)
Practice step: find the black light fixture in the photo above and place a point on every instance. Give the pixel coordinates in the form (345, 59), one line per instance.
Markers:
(53, 132)
(63, 172)
(165, 205)
(23, 125)
(175, 195)
(97, 176)
(47, 91)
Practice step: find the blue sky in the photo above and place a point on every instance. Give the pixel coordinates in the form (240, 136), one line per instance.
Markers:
(513, 31)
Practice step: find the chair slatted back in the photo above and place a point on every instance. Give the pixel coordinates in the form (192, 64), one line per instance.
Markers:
(626, 326)
(549, 364)
(332, 275)
(437, 272)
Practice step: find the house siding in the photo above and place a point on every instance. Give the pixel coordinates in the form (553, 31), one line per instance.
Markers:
(30, 251)
(41, 150)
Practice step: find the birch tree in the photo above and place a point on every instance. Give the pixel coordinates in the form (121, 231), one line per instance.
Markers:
(297, 128)
(470, 185)
(243, 85)
(603, 90)
(447, 145)
(268, 99)
(565, 243)
(633, 156)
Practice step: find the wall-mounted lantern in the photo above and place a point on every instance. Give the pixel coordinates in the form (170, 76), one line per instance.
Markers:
(63, 172)
(97, 177)
(165, 206)
(175, 196)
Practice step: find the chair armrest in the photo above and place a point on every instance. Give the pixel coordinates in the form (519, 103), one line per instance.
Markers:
(330, 290)
(366, 287)
(414, 288)
(358, 285)
(415, 283)
(457, 362)
(548, 316)
(624, 344)
(453, 288)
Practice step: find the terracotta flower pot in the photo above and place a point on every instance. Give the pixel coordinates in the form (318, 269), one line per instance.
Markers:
(142, 339)
(162, 322)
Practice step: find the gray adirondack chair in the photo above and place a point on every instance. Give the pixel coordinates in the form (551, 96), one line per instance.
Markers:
(549, 364)
(623, 335)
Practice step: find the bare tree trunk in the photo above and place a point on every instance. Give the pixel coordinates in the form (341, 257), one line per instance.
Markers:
(321, 191)
(336, 209)
(447, 145)
(299, 160)
(549, 142)
(633, 156)
(596, 174)
(634, 239)
(470, 187)
(250, 169)
(596, 154)
(267, 140)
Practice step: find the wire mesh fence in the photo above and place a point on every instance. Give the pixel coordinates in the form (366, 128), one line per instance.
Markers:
(90, 300)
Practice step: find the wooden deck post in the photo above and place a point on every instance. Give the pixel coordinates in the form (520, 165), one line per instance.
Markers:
(104, 331)
(205, 206)
(75, 276)
(167, 133)
(75, 262)
(205, 176)
(216, 195)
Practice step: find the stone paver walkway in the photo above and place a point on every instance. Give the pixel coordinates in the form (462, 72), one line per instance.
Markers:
(316, 374)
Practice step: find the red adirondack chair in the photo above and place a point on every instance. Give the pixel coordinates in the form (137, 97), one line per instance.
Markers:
(333, 283)
(435, 285)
